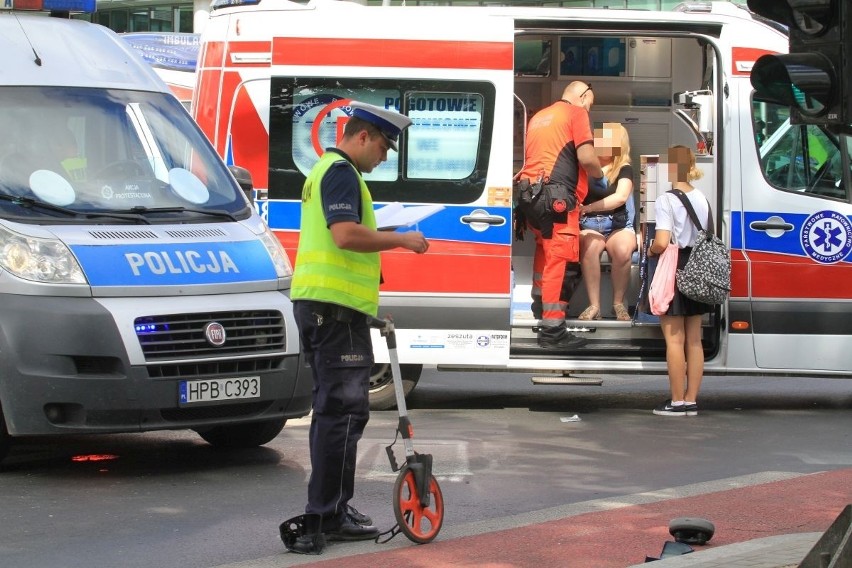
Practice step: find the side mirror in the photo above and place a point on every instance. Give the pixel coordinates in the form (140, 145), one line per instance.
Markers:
(243, 178)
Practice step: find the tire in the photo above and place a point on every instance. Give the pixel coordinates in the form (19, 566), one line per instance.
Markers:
(382, 395)
(691, 530)
(5, 438)
(249, 435)
(420, 524)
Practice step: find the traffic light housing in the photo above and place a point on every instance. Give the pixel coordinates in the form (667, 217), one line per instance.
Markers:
(812, 77)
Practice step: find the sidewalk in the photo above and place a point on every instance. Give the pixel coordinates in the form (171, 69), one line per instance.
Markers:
(769, 520)
(770, 552)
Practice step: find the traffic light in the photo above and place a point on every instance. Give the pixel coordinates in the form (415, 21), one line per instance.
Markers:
(812, 78)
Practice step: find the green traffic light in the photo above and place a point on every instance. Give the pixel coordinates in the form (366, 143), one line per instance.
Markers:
(805, 81)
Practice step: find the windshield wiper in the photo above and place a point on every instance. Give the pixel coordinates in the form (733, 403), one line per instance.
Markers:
(29, 202)
(142, 210)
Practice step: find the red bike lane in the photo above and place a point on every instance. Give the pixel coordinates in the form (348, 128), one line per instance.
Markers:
(624, 536)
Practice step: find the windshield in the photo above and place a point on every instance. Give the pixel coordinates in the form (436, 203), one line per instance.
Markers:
(69, 154)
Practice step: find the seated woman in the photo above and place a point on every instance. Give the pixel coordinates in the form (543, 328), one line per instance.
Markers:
(607, 222)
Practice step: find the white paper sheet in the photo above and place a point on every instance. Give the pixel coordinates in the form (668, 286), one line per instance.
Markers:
(395, 215)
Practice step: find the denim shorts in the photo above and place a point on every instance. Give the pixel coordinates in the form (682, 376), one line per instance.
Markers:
(605, 223)
(599, 223)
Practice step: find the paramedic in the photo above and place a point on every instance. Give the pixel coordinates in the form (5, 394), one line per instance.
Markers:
(558, 159)
(335, 289)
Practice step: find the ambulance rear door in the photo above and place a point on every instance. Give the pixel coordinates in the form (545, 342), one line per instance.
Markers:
(796, 236)
(453, 77)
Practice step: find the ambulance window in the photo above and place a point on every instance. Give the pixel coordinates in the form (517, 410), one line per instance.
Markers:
(443, 140)
(533, 57)
(442, 157)
(798, 158)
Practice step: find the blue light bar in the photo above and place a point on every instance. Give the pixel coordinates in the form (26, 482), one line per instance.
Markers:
(71, 6)
(84, 6)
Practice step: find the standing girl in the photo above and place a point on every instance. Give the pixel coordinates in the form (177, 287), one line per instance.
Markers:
(681, 323)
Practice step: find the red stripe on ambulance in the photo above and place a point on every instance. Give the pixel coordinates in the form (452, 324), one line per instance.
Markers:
(393, 53)
(433, 273)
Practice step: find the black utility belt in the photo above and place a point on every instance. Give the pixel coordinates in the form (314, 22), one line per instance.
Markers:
(615, 211)
(337, 312)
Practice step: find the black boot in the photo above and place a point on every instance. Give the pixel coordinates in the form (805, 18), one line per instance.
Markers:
(557, 337)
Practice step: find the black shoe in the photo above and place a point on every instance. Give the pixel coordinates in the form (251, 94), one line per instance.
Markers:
(359, 518)
(348, 529)
(564, 341)
(691, 408)
(666, 409)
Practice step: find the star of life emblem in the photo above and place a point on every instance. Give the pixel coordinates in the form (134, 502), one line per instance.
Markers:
(827, 237)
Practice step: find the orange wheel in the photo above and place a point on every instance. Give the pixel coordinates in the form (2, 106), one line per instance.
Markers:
(420, 524)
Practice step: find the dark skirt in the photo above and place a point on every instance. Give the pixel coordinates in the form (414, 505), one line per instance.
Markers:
(681, 305)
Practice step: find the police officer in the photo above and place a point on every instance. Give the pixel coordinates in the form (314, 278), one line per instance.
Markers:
(335, 288)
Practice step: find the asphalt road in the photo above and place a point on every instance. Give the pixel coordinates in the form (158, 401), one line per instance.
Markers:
(503, 450)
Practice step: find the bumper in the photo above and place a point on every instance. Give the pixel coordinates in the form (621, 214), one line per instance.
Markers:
(75, 365)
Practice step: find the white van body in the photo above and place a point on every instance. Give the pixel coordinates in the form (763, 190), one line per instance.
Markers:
(274, 79)
(139, 289)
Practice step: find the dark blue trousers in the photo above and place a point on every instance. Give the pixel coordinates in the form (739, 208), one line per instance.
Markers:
(337, 345)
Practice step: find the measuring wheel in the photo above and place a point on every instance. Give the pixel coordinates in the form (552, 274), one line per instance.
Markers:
(420, 519)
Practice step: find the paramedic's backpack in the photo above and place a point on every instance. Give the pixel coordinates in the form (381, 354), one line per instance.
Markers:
(707, 275)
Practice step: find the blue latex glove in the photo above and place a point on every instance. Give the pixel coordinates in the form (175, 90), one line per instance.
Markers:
(599, 184)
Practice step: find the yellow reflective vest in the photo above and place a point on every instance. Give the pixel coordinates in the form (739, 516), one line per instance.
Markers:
(324, 272)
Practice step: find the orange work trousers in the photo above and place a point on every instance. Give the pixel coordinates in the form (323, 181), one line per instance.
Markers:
(549, 263)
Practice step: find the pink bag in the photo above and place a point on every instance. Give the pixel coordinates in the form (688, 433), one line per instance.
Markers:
(662, 287)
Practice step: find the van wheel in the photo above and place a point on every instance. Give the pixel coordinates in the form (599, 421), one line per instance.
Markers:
(382, 395)
(248, 435)
(5, 438)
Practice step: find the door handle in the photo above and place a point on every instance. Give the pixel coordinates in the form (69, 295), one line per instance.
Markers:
(772, 224)
(486, 219)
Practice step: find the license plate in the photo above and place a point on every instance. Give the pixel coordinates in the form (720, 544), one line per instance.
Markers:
(218, 390)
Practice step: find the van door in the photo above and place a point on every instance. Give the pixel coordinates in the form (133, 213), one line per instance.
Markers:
(797, 238)
(456, 155)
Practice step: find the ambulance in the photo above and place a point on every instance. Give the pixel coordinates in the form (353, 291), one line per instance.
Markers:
(274, 81)
(173, 55)
(139, 288)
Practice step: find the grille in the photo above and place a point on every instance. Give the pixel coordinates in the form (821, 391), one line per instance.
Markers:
(181, 336)
(196, 233)
(124, 234)
(213, 369)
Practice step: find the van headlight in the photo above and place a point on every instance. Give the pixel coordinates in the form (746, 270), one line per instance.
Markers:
(283, 268)
(39, 260)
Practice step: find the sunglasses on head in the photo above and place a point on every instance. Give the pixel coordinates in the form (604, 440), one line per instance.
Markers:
(589, 88)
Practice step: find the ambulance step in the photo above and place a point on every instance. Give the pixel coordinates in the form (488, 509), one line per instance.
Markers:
(566, 380)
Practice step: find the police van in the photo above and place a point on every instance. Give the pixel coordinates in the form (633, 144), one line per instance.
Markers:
(139, 289)
(273, 86)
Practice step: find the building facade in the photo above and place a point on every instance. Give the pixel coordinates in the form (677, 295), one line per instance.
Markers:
(157, 16)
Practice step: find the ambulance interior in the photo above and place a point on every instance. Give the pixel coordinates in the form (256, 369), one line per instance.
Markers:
(662, 89)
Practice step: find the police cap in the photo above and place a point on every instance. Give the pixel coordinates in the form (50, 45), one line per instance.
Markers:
(390, 123)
